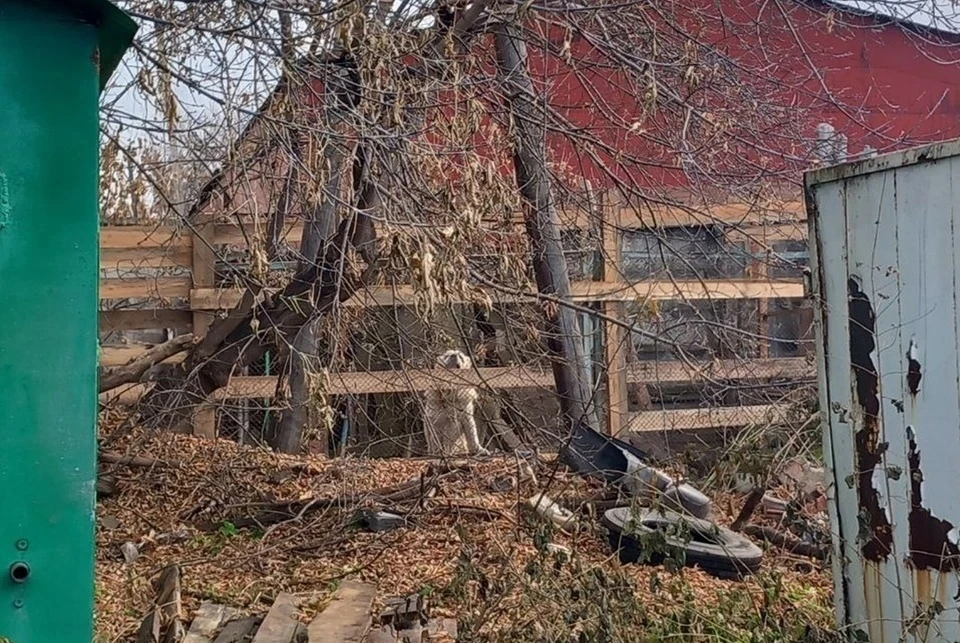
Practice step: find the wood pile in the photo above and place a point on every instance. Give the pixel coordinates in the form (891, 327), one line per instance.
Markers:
(347, 618)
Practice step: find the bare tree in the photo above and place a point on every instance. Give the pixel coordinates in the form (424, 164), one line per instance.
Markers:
(405, 135)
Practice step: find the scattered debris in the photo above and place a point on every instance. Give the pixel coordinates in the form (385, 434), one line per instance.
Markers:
(207, 622)
(106, 486)
(787, 541)
(239, 631)
(551, 511)
(804, 478)
(377, 521)
(714, 549)
(774, 506)
(450, 508)
(559, 550)
(749, 507)
(130, 552)
(109, 522)
(503, 484)
(164, 622)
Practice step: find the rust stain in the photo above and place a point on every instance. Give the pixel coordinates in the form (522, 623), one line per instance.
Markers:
(872, 591)
(930, 546)
(876, 534)
(913, 368)
(923, 587)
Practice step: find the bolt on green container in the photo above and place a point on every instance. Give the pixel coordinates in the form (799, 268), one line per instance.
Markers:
(55, 58)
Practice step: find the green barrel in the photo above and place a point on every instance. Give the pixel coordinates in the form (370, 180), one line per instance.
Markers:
(54, 59)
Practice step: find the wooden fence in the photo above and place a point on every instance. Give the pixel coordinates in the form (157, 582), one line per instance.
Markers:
(187, 301)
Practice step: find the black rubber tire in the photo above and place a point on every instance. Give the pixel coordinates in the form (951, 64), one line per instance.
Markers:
(714, 549)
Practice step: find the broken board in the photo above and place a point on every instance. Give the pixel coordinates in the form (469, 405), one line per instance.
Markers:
(280, 624)
(347, 619)
(207, 622)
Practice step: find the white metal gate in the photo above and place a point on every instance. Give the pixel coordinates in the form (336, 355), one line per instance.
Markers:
(885, 237)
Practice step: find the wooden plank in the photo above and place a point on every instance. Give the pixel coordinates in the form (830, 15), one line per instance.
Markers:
(119, 355)
(135, 258)
(583, 291)
(280, 624)
(238, 631)
(114, 320)
(204, 276)
(786, 215)
(207, 621)
(143, 237)
(124, 395)
(145, 288)
(512, 377)
(709, 418)
(769, 233)
(347, 619)
(615, 336)
(236, 235)
(506, 377)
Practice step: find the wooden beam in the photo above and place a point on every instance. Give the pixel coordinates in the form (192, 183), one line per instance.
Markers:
(584, 291)
(769, 233)
(145, 288)
(513, 377)
(204, 276)
(709, 418)
(143, 237)
(135, 258)
(615, 336)
(120, 355)
(788, 216)
(348, 617)
(280, 624)
(114, 320)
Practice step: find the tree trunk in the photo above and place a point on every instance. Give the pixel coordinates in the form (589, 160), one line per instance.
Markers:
(317, 233)
(562, 335)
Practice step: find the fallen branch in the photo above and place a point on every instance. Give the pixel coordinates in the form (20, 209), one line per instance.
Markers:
(786, 541)
(749, 507)
(109, 457)
(132, 371)
(277, 512)
(164, 622)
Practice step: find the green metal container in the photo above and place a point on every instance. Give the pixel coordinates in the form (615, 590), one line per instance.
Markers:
(55, 57)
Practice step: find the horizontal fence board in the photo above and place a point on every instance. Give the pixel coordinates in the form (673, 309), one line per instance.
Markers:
(757, 221)
(706, 418)
(584, 291)
(134, 258)
(118, 237)
(513, 377)
(119, 355)
(115, 320)
(506, 377)
(145, 288)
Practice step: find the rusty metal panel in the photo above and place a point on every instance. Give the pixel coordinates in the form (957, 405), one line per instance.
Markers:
(885, 266)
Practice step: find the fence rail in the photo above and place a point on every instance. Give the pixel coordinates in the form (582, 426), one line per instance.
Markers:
(184, 299)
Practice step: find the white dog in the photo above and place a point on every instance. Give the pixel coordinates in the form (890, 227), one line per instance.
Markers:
(448, 414)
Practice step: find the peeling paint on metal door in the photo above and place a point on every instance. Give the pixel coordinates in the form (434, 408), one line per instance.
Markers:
(886, 263)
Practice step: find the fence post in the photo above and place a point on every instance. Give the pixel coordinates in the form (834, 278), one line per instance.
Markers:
(614, 335)
(203, 272)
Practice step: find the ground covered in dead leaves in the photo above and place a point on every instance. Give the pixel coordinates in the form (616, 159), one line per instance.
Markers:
(471, 549)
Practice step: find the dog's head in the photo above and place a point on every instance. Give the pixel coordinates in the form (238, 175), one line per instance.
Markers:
(454, 359)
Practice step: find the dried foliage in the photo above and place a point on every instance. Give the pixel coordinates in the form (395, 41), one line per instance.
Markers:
(471, 549)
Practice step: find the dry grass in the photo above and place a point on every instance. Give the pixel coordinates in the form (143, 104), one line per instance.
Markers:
(468, 547)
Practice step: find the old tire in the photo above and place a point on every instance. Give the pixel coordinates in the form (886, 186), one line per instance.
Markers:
(714, 549)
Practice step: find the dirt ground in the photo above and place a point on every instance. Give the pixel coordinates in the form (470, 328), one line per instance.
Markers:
(191, 505)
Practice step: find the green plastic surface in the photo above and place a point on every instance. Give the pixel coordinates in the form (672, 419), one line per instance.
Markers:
(49, 273)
